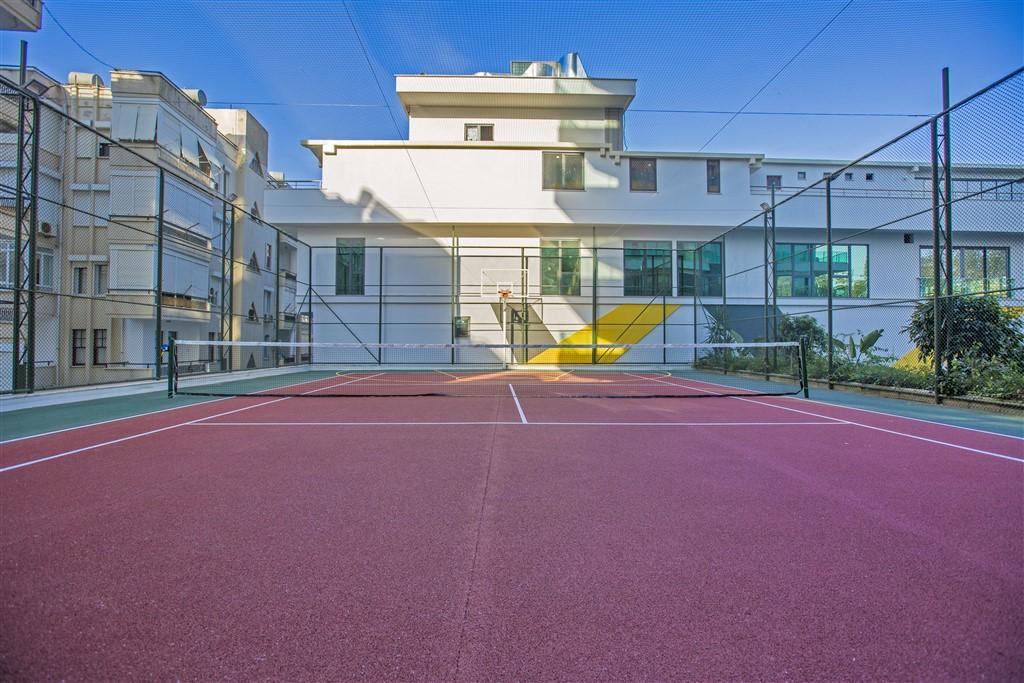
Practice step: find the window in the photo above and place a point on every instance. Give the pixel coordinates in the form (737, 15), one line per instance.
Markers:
(560, 267)
(255, 211)
(6, 263)
(563, 171)
(643, 175)
(801, 175)
(268, 253)
(268, 303)
(976, 270)
(647, 268)
(44, 269)
(714, 176)
(774, 181)
(476, 132)
(256, 166)
(802, 270)
(700, 265)
(105, 149)
(252, 315)
(869, 176)
(78, 280)
(613, 129)
(99, 347)
(99, 278)
(847, 176)
(78, 347)
(350, 265)
(254, 263)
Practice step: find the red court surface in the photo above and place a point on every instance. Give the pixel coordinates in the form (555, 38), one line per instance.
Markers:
(501, 538)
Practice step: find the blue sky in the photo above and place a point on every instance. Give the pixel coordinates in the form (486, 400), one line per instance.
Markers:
(300, 65)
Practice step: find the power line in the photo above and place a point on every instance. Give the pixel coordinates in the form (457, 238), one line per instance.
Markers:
(75, 41)
(775, 75)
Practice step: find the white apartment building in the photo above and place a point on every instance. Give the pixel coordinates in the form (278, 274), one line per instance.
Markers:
(531, 164)
(98, 225)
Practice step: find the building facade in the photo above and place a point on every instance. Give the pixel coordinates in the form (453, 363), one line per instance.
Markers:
(127, 171)
(520, 182)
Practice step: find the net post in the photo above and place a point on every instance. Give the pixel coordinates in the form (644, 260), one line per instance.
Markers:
(803, 367)
(170, 368)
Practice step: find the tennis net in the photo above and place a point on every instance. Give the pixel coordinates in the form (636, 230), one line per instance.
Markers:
(322, 369)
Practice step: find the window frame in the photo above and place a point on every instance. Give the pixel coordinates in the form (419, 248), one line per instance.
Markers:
(480, 132)
(926, 283)
(716, 186)
(648, 276)
(682, 249)
(559, 288)
(100, 279)
(78, 346)
(99, 341)
(355, 275)
(654, 166)
(561, 187)
(768, 182)
(78, 284)
(811, 274)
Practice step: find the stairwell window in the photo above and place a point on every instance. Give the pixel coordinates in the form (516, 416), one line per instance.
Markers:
(643, 175)
(350, 266)
(563, 171)
(476, 132)
(647, 268)
(714, 173)
(700, 268)
(560, 267)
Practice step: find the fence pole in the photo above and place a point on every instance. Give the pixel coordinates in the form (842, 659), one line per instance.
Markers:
(158, 284)
(309, 299)
(593, 295)
(828, 254)
(947, 175)
(766, 292)
(380, 303)
(277, 296)
(937, 265)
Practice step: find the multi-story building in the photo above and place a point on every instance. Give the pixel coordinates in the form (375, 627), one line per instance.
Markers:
(21, 15)
(103, 207)
(521, 181)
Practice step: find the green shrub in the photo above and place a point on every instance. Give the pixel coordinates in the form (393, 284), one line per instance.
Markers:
(976, 327)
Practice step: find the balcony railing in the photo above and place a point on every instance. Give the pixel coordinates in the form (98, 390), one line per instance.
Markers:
(1013, 192)
(275, 184)
(995, 286)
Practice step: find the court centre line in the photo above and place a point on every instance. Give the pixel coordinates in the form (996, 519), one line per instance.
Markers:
(522, 415)
(1002, 456)
(160, 429)
(875, 412)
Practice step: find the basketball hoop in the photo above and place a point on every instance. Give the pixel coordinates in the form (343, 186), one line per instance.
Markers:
(504, 294)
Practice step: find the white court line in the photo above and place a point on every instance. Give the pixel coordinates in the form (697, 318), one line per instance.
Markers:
(116, 419)
(874, 412)
(507, 422)
(1002, 456)
(160, 429)
(522, 415)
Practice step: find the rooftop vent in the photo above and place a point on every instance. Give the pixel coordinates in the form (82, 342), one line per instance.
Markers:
(86, 79)
(196, 95)
(569, 66)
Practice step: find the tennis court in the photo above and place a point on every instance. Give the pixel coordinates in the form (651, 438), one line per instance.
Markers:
(567, 527)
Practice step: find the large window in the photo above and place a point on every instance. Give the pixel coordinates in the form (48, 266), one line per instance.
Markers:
(560, 267)
(643, 175)
(563, 171)
(99, 347)
(714, 170)
(802, 270)
(647, 268)
(78, 347)
(350, 266)
(700, 268)
(976, 270)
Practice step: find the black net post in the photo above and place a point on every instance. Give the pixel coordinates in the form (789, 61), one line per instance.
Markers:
(170, 368)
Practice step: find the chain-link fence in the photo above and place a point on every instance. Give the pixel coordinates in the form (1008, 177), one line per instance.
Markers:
(110, 247)
(120, 231)
(903, 268)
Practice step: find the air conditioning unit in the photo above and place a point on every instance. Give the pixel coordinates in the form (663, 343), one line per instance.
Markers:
(47, 230)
